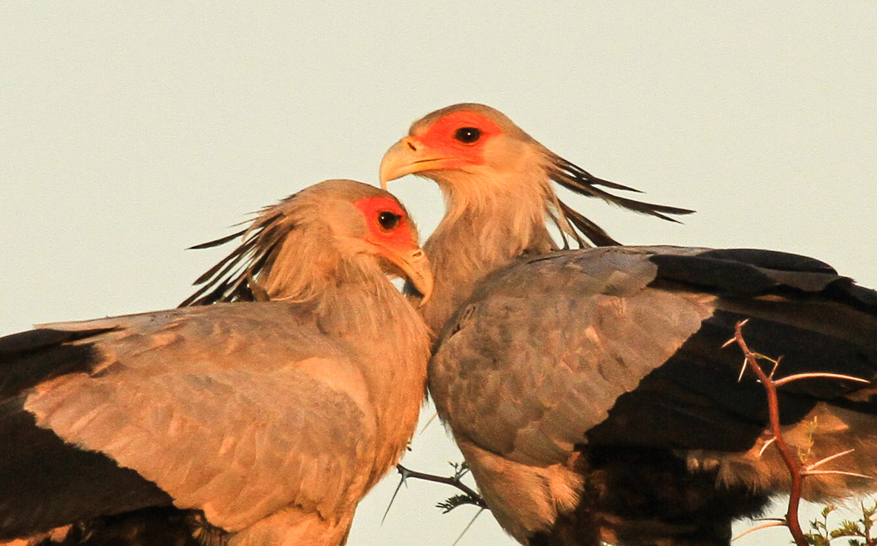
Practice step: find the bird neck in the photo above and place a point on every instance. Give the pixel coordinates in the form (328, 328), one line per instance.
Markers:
(350, 298)
(358, 302)
(488, 224)
(391, 340)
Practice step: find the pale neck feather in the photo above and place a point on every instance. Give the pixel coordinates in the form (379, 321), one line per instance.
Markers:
(490, 221)
(354, 304)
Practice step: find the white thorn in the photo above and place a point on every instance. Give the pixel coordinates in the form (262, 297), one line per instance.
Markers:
(764, 447)
(771, 523)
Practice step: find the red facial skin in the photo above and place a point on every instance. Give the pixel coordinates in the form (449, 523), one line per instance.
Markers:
(440, 139)
(397, 237)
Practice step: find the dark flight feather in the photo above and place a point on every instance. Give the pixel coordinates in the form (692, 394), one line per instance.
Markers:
(23, 368)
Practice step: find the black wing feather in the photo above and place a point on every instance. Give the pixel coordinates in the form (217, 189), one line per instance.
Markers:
(29, 358)
(48, 483)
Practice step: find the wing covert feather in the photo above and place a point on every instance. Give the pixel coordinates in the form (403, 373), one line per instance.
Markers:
(172, 401)
(540, 353)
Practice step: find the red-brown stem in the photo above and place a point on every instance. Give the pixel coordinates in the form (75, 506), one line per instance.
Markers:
(789, 458)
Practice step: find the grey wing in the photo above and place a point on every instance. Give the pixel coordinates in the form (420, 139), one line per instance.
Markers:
(539, 354)
(232, 409)
(623, 346)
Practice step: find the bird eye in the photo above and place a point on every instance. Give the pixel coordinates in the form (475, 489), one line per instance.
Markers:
(467, 135)
(388, 220)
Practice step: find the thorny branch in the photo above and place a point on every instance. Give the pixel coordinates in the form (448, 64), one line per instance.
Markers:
(789, 458)
(797, 471)
(471, 496)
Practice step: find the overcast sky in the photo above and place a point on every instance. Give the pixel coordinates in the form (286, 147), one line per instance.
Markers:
(130, 131)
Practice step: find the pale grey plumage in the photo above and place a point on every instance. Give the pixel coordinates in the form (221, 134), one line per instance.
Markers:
(587, 389)
(272, 418)
(591, 350)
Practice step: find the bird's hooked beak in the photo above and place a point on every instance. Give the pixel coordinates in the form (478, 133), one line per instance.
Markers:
(413, 265)
(409, 156)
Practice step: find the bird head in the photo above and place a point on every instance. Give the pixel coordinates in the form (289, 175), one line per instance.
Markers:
(390, 234)
(316, 230)
(476, 153)
(471, 139)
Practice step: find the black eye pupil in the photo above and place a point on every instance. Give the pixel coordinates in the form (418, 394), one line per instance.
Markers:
(467, 135)
(388, 220)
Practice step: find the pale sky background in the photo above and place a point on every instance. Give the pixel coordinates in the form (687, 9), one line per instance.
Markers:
(130, 131)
